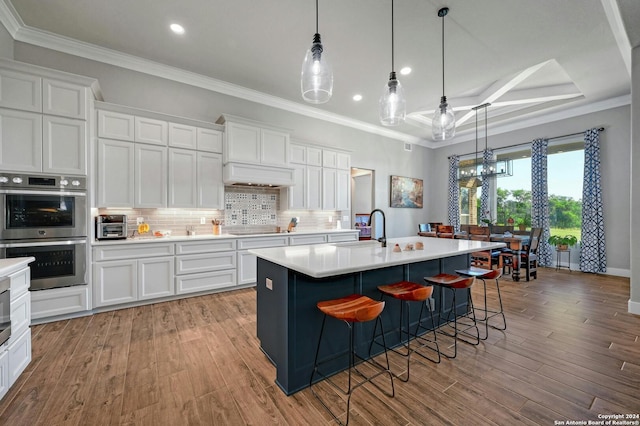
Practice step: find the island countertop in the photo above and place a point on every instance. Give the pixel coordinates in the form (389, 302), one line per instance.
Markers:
(11, 265)
(326, 260)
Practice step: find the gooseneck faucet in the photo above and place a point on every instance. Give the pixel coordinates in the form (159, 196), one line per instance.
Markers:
(383, 240)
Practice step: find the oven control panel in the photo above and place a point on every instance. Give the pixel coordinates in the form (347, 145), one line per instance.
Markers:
(55, 183)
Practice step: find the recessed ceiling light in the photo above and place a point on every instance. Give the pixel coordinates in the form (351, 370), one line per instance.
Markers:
(405, 71)
(177, 28)
(357, 98)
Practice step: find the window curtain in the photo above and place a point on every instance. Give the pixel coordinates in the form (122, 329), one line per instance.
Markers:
(454, 193)
(593, 256)
(540, 198)
(485, 209)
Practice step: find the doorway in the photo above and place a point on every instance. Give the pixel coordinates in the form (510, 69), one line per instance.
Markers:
(363, 197)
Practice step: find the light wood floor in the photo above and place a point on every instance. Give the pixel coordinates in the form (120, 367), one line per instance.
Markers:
(570, 352)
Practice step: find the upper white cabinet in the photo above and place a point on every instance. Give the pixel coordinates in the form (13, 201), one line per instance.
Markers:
(148, 130)
(64, 145)
(115, 173)
(150, 168)
(182, 178)
(297, 154)
(20, 91)
(210, 189)
(114, 125)
(64, 99)
(182, 136)
(209, 140)
(255, 143)
(20, 141)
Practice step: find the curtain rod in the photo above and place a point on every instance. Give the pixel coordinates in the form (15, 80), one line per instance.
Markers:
(600, 129)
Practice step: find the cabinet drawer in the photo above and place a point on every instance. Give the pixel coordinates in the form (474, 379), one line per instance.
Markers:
(263, 242)
(19, 356)
(20, 315)
(205, 246)
(207, 281)
(59, 301)
(334, 238)
(20, 283)
(307, 239)
(133, 251)
(205, 262)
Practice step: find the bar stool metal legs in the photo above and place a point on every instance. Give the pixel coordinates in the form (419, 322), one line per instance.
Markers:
(406, 292)
(462, 323)
(351, 309)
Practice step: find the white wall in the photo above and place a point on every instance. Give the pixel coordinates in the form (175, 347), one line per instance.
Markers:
(634, 301)
(6, 43)
(615, 169)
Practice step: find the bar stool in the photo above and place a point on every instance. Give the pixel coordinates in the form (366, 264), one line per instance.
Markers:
(483, 275)
(454, 283)
(405, 292)
(351, 309)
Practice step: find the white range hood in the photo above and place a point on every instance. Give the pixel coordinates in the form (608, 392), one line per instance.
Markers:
(257, 174)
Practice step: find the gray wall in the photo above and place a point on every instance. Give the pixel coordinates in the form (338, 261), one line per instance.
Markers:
(634, 302)
(6, 43)
(615, 168)
(385, 156)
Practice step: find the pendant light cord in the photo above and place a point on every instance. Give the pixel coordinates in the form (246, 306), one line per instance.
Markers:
(392, 41)
(443, 53)
(317, 17)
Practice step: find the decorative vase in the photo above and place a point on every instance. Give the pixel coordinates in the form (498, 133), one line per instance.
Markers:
(216, 229)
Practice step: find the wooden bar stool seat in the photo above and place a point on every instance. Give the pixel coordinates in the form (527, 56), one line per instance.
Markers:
(460, 324)
(405, 292)
(349, 310)
(483, 275)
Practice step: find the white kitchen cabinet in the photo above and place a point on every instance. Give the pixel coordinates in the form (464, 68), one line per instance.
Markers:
(59, 301)
(205, 265)
(183, 136)
(329, 182)
(207, 281)
(314, 188)
(20, 314)
(343, 237)
(314, 156)
(115, 125)
(115, 282)
(205, 262)
(64, 99)
(274, 148)
(20, 91)
(249, 142)
(148, 130)
(295, 197)
(329, 158)
(210, 187)
(183, 178)
(115, 173)
(64, 145)
(209, 140)
(155, 277)
(247, 268)
(343, 161)
(19, 355)
(247, 264)
(20, 141)
(151, 169)
(343, 190)
(4, 373)
(299, 240)
(297, 154)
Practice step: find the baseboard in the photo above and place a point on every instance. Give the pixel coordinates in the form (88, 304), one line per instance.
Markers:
(618, 272)
(634, 307)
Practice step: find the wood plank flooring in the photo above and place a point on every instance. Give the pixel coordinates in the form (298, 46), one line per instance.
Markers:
(570, 352)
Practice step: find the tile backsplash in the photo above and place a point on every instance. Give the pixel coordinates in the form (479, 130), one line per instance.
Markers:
(246, 210)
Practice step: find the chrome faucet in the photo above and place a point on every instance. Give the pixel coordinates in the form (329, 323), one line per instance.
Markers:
(383, 240)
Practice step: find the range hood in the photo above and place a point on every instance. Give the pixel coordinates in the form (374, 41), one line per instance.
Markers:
(257, 174)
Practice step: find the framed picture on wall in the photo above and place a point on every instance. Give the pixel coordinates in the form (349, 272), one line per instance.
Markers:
(406, 192)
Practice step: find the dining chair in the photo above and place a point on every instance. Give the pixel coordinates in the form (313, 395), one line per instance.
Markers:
(444, 231)
(426, 230)
(529, 254)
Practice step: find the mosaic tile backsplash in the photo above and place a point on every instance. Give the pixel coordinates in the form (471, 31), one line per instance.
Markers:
(251, 207)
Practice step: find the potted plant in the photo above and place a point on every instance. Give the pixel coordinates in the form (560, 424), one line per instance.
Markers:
(524, 223)
(563, 243)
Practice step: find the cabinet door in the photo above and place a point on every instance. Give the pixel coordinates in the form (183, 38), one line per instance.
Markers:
(297, 154)
(155, 277)
(329, 158)
(182, 178)
(64, 146)
(20, 91)
(209, 140)
(150, 181)
(148, 130)
(19, 355)
(210, 185)
(115, 173)
(274, 148)
(247, 268)
(114, 125)
(343, 190)
(20, 141)
(65, 99)
(314, 156)
(115, 282)
(296, 197)
(329, 181)
(314, 188)
(182, 136)
(4, 373)
(343, 161)
(242, 143)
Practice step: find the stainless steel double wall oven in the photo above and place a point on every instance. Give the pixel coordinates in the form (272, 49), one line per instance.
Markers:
(46, 217)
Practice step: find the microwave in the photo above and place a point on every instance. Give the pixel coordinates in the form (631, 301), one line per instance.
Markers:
(111, 227)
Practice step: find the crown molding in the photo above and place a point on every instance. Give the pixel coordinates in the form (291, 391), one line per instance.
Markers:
(10, 18)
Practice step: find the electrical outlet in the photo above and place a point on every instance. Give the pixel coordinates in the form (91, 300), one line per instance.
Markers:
(139, 220)
(269, 283)
(202, 220)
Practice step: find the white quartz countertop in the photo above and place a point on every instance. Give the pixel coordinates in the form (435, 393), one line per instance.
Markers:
(9, 266)
(326, 260)
(179, 238)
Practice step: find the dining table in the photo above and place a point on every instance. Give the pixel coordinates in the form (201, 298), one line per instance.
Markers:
(515, 244)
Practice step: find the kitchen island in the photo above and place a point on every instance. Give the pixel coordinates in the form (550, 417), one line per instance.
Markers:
(291, 280)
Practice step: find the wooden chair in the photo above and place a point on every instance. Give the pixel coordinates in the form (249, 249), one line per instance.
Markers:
(482, 259)
(425, 230)
(444, 231)
(529, 256)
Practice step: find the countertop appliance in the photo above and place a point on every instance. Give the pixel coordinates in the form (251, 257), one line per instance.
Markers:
(111, 227)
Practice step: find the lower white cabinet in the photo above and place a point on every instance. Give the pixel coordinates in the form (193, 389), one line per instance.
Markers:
(19, 355)
(59, 301)
(155, 278)
(247, 268)
(4, 372)
(192, 283)
(205, 265)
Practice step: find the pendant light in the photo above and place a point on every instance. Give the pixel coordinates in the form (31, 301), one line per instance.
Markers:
(317, 77)
(444, 121)
(393, 104)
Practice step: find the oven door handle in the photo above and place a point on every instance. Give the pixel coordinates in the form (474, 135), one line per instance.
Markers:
(30, 192)
(43, 243)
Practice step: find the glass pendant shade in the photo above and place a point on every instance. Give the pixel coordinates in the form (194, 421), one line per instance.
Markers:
(444, 121)
(393, 104)
(317, 77)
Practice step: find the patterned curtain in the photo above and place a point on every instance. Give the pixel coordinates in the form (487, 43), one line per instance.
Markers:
(593, 256)
(540, 198)
(485, 212)
(454, 193)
